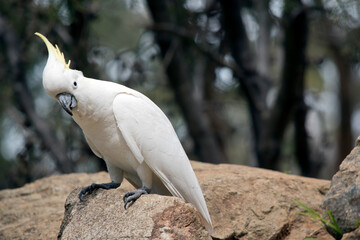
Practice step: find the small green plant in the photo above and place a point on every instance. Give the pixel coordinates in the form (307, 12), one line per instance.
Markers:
(309, 212)
(357, 223)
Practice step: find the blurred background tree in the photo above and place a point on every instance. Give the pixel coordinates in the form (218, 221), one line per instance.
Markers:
(264, 83)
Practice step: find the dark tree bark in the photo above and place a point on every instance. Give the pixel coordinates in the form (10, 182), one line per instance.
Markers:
(264, 20)
(269, 124)
(76, 35)
(290, 97)
(345, 138)
(175, 52)
(253, 86)
(302, 151)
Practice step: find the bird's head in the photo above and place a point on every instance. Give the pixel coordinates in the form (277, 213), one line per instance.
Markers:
(59, 81)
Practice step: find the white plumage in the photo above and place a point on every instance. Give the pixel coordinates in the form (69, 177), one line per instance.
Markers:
(127, 130)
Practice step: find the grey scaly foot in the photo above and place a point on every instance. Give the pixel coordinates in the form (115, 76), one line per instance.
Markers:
(132, 196)
(91, 188)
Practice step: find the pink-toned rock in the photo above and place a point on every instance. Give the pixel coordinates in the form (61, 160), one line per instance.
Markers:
(35, 211)
(253, 203)
(244, 202)
(102, 216)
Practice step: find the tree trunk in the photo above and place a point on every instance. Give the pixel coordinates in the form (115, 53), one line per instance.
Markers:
(290, 96)
(269, 124)
(345, 138)
(263, 56)
(253, 86)
(175, 52)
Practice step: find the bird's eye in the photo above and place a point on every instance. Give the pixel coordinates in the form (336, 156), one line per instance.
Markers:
(75, 84)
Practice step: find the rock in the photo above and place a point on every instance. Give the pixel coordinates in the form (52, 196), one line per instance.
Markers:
(244, 202)
(343, 197)
(35, 211)
(152, 216)
(354, 235)
(251, 203)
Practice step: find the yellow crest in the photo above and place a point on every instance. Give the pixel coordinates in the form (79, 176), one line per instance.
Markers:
(58, 54)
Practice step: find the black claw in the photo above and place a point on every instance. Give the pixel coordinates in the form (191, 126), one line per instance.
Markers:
(132, 196)
(91, 188)
(127, 194)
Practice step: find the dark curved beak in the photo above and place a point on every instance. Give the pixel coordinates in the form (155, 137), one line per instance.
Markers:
(67, 102)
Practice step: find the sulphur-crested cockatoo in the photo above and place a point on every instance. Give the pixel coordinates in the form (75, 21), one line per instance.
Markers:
(128, 131)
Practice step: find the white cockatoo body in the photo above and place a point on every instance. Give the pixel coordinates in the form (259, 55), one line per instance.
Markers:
(127, 130)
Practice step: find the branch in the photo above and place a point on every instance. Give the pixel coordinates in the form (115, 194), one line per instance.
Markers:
(190, 35)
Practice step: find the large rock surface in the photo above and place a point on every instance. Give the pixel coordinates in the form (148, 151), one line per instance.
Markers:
(35, 211)
(343, 198)
(152, 216)
(244, 202)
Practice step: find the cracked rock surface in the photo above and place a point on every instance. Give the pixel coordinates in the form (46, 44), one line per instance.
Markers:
(244, 203)
(343, 198)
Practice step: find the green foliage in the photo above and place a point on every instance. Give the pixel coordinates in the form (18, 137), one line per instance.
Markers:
(311, 213)
(357, 223)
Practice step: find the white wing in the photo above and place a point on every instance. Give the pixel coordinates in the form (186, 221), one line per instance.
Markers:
(151, 138)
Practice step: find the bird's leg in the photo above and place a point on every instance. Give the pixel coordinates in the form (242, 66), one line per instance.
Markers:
(132, 196)
(145, 175)
(91, 188)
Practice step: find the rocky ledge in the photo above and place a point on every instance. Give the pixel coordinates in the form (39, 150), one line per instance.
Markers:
(244, 203)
